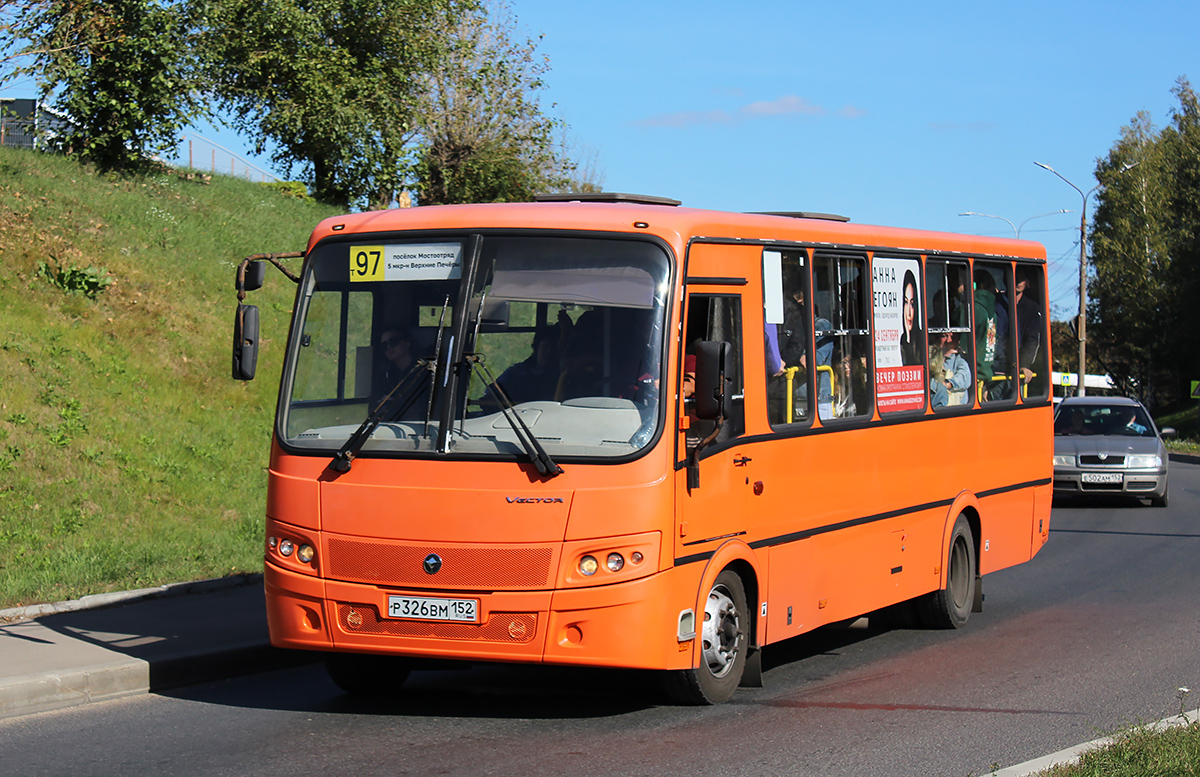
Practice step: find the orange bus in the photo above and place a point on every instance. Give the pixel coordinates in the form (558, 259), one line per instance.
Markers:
(607, 430)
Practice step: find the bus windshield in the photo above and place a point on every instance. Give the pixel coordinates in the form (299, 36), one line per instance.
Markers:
(443, 345)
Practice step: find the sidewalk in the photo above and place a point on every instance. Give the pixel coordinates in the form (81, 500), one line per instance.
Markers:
(114, 645)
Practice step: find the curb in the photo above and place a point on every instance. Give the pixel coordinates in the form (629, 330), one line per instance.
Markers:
(1071, 755)
(116, 679)
(1189, 458)
(96, 601)
(56, 668)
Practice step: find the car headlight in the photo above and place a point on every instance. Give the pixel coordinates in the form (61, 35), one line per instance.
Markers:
(1064, 460)
(1143, 462)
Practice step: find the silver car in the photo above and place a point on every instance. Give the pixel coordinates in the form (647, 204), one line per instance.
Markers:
(1109, 445)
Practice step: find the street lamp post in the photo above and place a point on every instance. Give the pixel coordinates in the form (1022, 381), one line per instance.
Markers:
(1081, 326)
(1016, 228)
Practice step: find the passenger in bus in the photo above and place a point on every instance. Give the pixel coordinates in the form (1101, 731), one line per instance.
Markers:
(629, 372)
(395, 345)
(850, 390)
(912, 341)
(985, 324)
(582, 359)
(949, 373)
(535, 378)
(1029, 323)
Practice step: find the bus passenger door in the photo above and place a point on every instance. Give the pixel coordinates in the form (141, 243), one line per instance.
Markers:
(716, 495)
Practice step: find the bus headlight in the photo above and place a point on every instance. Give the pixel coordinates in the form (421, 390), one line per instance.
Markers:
(306, 553)
(588, 566)
(615, 562)
(286, 547)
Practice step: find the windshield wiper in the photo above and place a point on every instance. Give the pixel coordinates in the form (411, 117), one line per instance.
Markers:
(393, 403)
(437, 355)
(537, 454)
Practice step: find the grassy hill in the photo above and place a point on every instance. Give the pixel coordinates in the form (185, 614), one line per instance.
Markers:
(128, 456)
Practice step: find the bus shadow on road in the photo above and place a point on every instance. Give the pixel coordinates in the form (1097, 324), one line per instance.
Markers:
(489, 691)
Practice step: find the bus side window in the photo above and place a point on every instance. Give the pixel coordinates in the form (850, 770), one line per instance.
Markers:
(1031, 331)
(994, 328)
(718, 318)
(787, 323)
(951, 381)
(842, 335)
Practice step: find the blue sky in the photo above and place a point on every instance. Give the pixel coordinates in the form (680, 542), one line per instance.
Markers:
(904, 114)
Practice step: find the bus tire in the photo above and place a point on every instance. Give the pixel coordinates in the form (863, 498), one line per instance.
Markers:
(724, 642)
(365, 674)
(949, 607)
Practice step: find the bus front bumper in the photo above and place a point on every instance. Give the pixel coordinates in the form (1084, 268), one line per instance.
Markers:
(629, 625)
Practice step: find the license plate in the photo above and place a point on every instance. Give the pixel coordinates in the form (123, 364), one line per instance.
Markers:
(1101, 477)
(427, 609)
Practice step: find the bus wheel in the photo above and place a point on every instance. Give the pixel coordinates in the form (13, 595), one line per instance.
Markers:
(364, 674)
(950, 607)
(723, 639)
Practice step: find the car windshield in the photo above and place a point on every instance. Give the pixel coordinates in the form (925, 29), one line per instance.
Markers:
(1113, 420)
(450, 345)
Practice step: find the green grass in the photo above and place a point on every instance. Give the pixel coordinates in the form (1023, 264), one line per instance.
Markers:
(1140, 752)
(1185, 420)
(128, 456)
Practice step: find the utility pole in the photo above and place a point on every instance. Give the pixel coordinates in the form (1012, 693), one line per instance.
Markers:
(1081, 327)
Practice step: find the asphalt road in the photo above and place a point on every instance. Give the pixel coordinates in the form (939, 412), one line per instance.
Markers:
(1097, 632)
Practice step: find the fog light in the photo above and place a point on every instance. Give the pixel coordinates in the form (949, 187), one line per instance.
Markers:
(636, 557)
(614, 562)
(306, 553)
(588, 566)
(286, 547)
(272, 542)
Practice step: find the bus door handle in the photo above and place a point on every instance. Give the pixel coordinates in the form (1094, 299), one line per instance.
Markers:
(741, 461)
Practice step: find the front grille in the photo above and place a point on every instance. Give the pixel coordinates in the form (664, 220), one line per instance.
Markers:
(1141, 485)
(398, 564)
(511, 627)
(1111, 460)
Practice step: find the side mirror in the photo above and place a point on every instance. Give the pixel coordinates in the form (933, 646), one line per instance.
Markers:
(250, 276)
(713, 399)
(245, 341)
(1167, 432)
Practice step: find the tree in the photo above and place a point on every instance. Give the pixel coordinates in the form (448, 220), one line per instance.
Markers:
(123, 71)
(1144, 253)
(331, 85)
(484, 137)
(1181, 143)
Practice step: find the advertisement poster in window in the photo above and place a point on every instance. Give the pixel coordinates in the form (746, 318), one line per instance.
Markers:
(899, 339)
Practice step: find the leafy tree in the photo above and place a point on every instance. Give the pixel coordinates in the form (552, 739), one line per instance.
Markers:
(123, 71)
(330, 85)
(1182, 150)
(1144, 253)
(484, 137)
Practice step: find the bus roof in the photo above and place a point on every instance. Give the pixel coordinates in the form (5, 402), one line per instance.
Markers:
(676, 225)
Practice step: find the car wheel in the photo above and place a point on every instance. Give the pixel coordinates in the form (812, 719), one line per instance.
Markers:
(1161, 501)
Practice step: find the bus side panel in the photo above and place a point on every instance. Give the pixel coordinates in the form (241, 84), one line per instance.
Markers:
(1043, 497)
(792, 608)
(1006, 525)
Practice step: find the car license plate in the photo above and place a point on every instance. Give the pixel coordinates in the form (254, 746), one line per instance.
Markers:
(1101, 477)
(426, 609)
